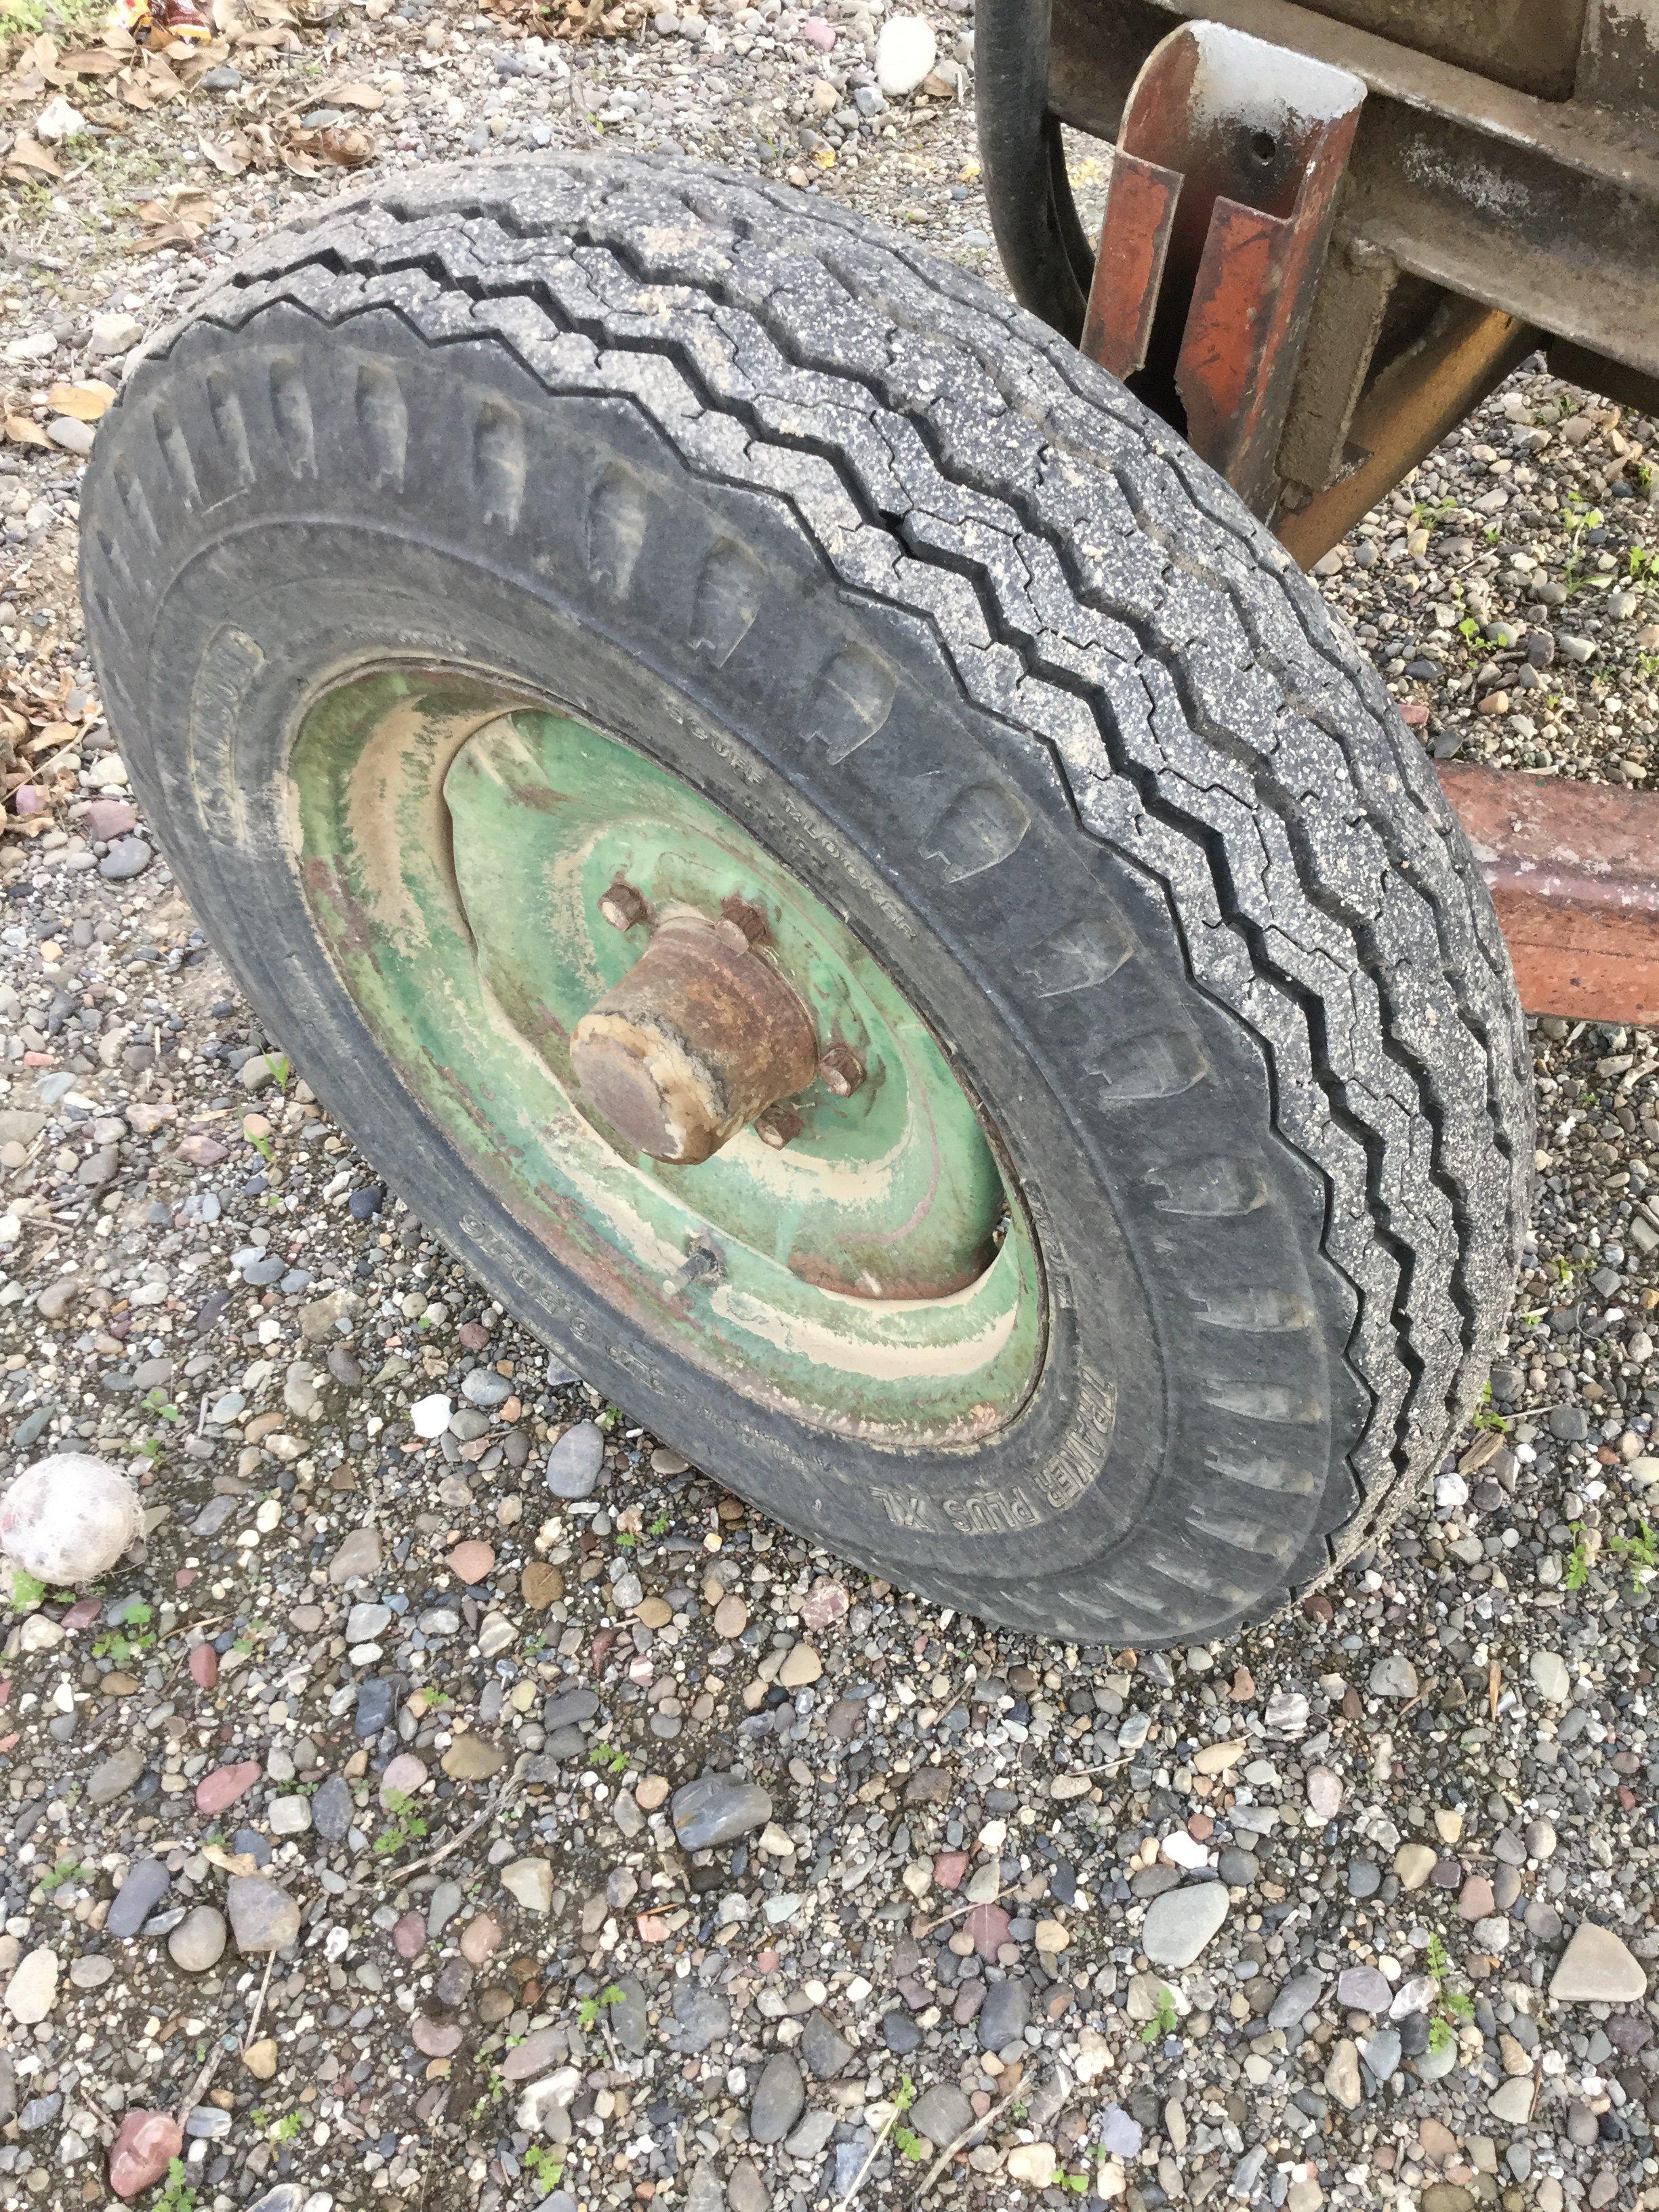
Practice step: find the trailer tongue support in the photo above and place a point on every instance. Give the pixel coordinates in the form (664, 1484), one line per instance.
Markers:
(1218, 213)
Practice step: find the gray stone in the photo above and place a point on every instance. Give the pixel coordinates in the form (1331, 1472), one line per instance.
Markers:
(113, 1777)
(1381, 2054)
(484, 1386)
(627, 2018)
(941, 2113)
(700, 2018)
(779, 2101)
(365, 1621)
(824, 2048)
(1299, 1997)
(332, 1810)
(126, 858)
(1003, 2015)
(703, 2190)
(1120, 2134)
(1362, 1989)
(1394, 1677)
(813, 2136)
(198, 1941)
(716, 1809)
(263, 1917)
(147, 1883)
(573, 1464)
(1181, 1922)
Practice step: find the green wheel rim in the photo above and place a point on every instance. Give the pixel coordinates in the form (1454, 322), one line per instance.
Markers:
(876, 1276)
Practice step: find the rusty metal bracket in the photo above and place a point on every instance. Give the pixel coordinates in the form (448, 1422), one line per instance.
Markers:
(1218, 213)
(1573, 869)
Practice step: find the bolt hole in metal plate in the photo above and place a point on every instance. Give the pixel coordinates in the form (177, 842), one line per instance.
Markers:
(461, 847)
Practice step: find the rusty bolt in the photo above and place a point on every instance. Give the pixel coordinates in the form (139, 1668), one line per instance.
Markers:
(622, 906)
(779, 1126)
(741, 921)
(841, 1069)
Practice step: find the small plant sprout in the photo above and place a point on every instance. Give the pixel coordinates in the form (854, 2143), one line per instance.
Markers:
(1165, 2020)
(591, 2010)
(407, 1825)
(1639, 1552)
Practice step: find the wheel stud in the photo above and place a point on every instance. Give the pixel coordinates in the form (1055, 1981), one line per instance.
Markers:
(842, 1070)
(622, 906)
(779, 1126)
(742, 922)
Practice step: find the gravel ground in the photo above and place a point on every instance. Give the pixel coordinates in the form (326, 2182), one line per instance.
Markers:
(457, 1801)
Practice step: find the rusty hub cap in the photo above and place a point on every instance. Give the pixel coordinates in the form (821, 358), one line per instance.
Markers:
(697, 1040)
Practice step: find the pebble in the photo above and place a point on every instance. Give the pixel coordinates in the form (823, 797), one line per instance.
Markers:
(1550, 1677)
(717, 1809)
(1394, 1677)
(1003, 2015)
(146, 2144)
(779, 2101)
(263, 1917)
(32, 1990)
(146, 1883)
(1181, 1922)
(531, 1881)
(906, 51)
(575, 1462)
(1597, 1968)
(198, 1941)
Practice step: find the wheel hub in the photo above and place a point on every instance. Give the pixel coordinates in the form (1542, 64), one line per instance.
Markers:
(669, 1058)
(696, 1041)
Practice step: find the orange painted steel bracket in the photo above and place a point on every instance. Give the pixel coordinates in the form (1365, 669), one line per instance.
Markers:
(1217, 213)
(1574, 872)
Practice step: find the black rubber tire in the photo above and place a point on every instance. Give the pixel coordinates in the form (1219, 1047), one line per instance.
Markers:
(1131, 822)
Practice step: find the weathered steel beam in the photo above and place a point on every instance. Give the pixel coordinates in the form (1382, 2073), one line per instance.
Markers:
(1573, 869)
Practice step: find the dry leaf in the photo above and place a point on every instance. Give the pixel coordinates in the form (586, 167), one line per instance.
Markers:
(229, 1862)
(230, 158)
(50, 735)
(21, 432)
(29, 154)
(85, 402)
(91, 61)
(330, 146)
(353, 95)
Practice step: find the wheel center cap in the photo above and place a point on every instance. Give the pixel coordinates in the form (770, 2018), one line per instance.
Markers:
(699, 1037)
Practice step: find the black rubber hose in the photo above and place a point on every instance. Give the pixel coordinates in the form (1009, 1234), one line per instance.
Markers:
(1046, 257)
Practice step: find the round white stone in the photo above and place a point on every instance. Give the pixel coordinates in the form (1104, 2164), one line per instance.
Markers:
(67, 1519)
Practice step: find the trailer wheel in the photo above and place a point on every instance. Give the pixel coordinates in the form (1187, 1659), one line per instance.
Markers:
(837, 867)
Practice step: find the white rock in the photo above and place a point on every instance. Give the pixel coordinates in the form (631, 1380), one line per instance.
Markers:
(1031, 2163)
(67, 1519)
(530, 1881)
(73, 435)
(114, 333)
(57, 120)
(1550, 1677)
(1597, 1968)
(429, 1417)
(541, 2100)
(35, 345)
(32, 1990)
(905, 52)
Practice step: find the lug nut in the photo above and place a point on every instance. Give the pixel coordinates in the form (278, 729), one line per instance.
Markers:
(742, 922)
(842, 1070)
(779, 1126)
(622, 906)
